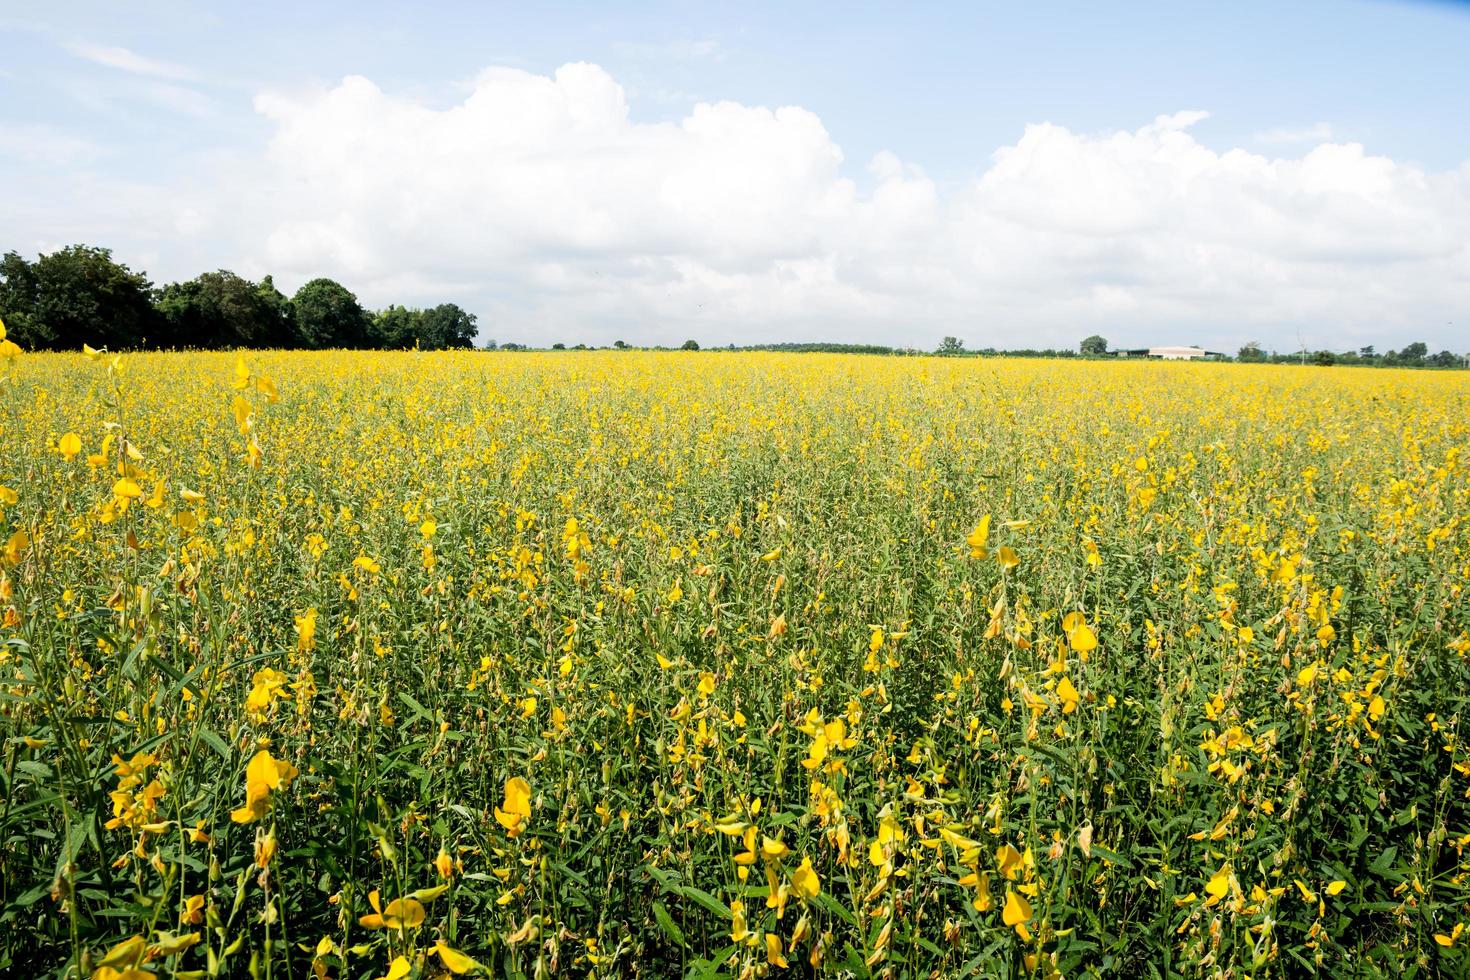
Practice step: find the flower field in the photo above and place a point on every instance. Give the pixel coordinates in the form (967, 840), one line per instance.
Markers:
(730, 665)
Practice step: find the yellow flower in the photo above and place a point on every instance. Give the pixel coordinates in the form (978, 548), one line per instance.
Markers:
(517, 808)
(773, 950)
(1068, 694)
(242, 412)
(738, 929)
(126, 489)
(263, 775)
(979, 539)
(1079, 635)
(69, 446)
(1218, 886)
(398, 969)
(804, 881)
(15, 546)
(401, 913)
(454, 961)
(1017, 913)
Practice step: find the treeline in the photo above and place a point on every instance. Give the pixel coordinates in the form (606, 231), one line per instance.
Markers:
(1413, 355)
(80, 295)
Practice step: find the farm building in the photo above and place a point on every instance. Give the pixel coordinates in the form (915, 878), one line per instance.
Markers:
(1169, 353)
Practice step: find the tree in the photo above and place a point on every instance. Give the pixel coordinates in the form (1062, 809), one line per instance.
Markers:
(18, 302)
(328, 315)
(1444, 359)
(1251, 352)
(950, 346)
(1094, 345)
(75, 296)
(558, 346)
(395, 328)
(620, 345)
(446, 327)
(1367, 352)
(1414, 353)
(220, 309)
(690, 345)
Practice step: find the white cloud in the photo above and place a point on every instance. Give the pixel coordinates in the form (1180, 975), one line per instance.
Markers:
(122, 59)
(539, 203)
(1316, 133)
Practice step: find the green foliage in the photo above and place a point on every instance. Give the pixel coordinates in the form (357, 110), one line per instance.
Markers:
(74, 296)
(328, 315)
(1094, 346)
(220, 309)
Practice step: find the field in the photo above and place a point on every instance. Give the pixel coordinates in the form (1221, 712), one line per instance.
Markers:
(724, 665)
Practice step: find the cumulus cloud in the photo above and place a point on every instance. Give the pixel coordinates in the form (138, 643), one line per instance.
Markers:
(539, 202)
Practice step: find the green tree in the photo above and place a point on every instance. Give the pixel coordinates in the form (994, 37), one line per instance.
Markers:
(395, 328)
(1095, 345)
(1251, 352)
(690, 345)
(951, 346)
(446, 327)
(221, 309)
(328, 315)
(18, 303)
(1414, 353)
(75, 296)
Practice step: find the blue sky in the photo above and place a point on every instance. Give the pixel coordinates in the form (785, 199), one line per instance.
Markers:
(187, 137)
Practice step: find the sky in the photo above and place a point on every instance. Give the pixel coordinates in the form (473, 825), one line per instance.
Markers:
(1018, 175)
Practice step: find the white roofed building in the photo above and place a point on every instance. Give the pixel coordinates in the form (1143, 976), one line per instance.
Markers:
(1169, 353)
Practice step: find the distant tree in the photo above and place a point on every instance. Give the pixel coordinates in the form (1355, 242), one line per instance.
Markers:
(620, 345)
(1251, 352)
(395, 328)
(75, 296)
(1094, 345)
(489, 344)
(1325, 358)
(690, 345)
(446, 327)
(1414, 353)
(1444, 359)
(18, 303)
(558, 346)
(951, 346)
(220, 309)
(512, 345)
(328, 315)
(1367, 353)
